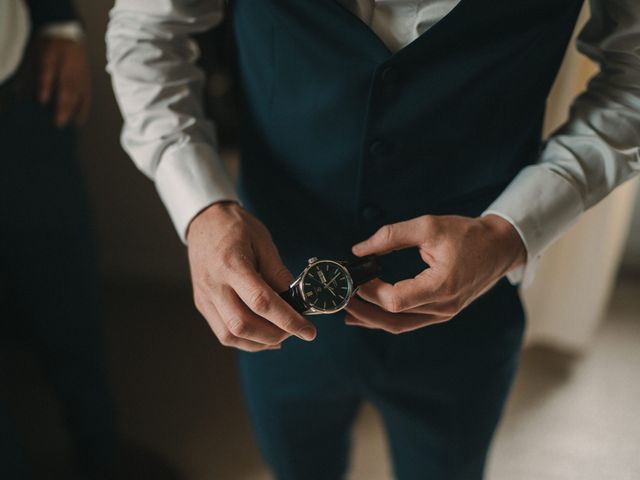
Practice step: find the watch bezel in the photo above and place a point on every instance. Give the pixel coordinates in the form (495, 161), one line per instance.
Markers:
(318, 311)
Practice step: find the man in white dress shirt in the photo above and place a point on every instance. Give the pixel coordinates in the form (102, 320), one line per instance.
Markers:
(388, 124)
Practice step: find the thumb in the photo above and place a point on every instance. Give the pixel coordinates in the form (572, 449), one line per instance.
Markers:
(395, 236)
(274, 272)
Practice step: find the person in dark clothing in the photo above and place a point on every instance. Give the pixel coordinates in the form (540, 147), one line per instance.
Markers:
(49, 282)
(48, 278)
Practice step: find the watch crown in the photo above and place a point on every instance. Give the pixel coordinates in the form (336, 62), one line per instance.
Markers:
(313, 260)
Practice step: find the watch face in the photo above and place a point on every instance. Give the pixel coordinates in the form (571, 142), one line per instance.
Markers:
(326, 286)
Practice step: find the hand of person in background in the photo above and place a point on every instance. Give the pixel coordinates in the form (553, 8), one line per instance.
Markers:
(465, 257)
(63, 77)
(236, 273)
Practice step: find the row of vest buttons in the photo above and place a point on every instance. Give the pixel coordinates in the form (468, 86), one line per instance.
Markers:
(389, 74)
(379, 148)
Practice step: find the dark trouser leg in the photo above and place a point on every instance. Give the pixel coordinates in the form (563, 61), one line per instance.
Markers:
(445, 386)
(302, 403)
(51, 269)
(13, 464)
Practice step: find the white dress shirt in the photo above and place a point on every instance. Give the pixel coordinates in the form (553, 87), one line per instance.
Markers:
(15, 28)
(158, 87)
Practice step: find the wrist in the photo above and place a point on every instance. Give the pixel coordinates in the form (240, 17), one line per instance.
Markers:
(211, 213)
(503, 234)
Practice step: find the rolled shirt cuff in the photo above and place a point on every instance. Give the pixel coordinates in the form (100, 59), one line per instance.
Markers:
(540, 204)
(71, 30)
(189, 178)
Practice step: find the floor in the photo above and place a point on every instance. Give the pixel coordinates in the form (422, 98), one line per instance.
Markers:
(177, 394)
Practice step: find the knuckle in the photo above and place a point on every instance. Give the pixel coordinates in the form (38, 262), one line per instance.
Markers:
(282, 273)
(395, 329)
(393, 303)
(386, 233)
(450, 289)
(228, 259)
(259, 302)
(238, 327)
(456, 306)
(430, 224)
(197, 301)
(227, 339)
(280, 338)
(290, 324)
(427, 220)
(449, 311)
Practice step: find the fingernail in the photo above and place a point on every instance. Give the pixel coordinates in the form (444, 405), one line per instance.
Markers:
(307, 333)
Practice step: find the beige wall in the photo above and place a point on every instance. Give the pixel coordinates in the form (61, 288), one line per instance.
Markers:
(135, 236)
(631, 259)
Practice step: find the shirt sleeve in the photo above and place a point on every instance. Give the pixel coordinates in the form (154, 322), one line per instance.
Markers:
(44, 12)
(158, 86)
(595, 151)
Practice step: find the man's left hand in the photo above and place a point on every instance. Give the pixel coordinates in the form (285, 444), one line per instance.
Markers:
(63, 77)
(465, 257)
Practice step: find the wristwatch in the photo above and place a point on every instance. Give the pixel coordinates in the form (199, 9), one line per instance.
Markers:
(326, 286)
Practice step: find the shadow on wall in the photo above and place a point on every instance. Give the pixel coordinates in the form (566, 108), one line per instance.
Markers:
(631, 258)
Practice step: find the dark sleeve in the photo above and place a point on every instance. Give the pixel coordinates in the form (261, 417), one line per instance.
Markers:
(44, 12)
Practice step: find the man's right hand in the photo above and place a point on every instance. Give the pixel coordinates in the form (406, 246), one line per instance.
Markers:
(237, 273)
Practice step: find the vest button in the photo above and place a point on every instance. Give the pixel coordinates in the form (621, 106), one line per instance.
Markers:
(381, 149)
(377, 147)
(370, 213)
(389, 75)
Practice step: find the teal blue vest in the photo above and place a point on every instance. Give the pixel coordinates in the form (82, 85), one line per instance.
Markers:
(341, 136)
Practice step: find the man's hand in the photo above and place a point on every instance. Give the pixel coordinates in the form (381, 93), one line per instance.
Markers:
(236, 273)
(63, 76)
(465, 257)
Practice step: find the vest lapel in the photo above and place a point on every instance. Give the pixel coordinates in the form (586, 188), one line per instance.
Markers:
(380, 47)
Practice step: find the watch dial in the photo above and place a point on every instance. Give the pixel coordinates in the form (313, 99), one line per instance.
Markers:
(326, 286)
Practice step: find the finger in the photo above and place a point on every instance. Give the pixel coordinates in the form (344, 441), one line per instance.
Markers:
(243, 323)
(224, 335)
(274, 272)
(424, 289)
(391, 237)
(48, 73)
(371, 316)
(66, 105)
(265, 302)
(448, 308)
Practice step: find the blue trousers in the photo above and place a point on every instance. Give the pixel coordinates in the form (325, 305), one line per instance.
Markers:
(440, 391)
(48, 281)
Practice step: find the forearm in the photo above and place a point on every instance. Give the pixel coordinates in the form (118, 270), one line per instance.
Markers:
(596, 150)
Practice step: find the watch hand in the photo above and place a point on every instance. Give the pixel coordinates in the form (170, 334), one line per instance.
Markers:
(332, 280)
(322, 277)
